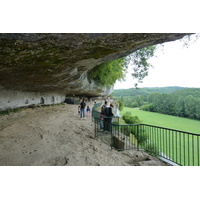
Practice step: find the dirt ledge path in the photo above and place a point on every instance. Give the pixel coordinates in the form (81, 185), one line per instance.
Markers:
(56, 136)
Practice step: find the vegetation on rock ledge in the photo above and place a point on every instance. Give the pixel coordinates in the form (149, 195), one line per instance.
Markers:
(106, 74)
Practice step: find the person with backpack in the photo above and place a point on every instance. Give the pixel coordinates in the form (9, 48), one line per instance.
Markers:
(83, 105)
(103, 108)
(108, 117)
(103, 113)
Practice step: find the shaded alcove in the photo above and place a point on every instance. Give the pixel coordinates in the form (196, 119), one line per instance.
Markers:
(26, 102)
(42, 100)
(52, 99)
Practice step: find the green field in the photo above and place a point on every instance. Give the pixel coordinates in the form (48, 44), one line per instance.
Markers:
(167, 121)
(180, 147)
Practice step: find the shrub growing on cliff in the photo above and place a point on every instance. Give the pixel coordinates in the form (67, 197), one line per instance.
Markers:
(107, 73)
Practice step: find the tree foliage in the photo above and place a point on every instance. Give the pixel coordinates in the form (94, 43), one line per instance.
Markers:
(140, 61)
(137, 97)
(107, 73)
(121, 104)
(184, 103)
(177, 101)
(130, 119)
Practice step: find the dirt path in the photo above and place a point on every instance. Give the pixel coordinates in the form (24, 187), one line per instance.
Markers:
(55, 135)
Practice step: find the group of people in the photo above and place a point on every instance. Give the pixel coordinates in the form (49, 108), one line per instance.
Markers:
(81, 109)
(105, 117)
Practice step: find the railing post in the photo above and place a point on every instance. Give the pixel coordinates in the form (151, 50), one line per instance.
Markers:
(95, 131)
(137, 128)
(112, 138)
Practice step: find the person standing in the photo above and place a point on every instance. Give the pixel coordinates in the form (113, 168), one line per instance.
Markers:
(103, 107)
(83, 105)
(108, 119)
(79, 110)
(88, 111)
(101, 122)
(103, 113)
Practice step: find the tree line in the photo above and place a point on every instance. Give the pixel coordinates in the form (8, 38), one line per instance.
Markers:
(182, 102)
(134, 97)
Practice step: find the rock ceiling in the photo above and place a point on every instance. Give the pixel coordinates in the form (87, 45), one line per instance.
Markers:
(38, 62)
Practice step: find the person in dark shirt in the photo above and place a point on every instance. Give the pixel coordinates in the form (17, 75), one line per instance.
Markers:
(108, 118)
(83, 105)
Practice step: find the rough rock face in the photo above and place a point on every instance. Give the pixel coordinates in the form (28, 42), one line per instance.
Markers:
(60, 62)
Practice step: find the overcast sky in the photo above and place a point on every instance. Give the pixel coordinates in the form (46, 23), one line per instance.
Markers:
(175, 65)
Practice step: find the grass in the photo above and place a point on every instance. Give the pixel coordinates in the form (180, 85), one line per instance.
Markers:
(167, 121)
(177, 146)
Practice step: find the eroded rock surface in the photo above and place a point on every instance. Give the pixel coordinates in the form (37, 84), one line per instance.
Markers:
(60, 62)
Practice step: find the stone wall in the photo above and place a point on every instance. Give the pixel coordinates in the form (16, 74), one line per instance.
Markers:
(10, 99)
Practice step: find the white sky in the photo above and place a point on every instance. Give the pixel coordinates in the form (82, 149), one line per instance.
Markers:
(174, 66)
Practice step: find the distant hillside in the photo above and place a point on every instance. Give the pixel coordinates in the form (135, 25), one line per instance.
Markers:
(177, 101)
(145, 91)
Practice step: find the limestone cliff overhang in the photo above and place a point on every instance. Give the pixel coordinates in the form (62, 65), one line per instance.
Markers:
(38, 62)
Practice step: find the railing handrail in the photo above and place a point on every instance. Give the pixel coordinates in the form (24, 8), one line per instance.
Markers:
(157, 127)
(150, 126)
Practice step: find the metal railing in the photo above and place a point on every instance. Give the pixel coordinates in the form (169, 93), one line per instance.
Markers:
(95, 113)
(103, 128)
(178, 147)
(172, 146)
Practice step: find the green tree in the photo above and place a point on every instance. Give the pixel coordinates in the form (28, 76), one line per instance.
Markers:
(148, 107)
(197, 108)
(140, 60)
(134, 105)
(180, 107)
(107, 73)
(130, 119)
(139, 100)
(121, 104)
(190, 106)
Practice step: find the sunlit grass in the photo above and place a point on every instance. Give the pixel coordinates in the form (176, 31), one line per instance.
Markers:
(180, 147)
(167, 121)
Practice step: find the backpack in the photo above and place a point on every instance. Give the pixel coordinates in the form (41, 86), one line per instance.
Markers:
(103, 109)
(107, 111)
(83, 104)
